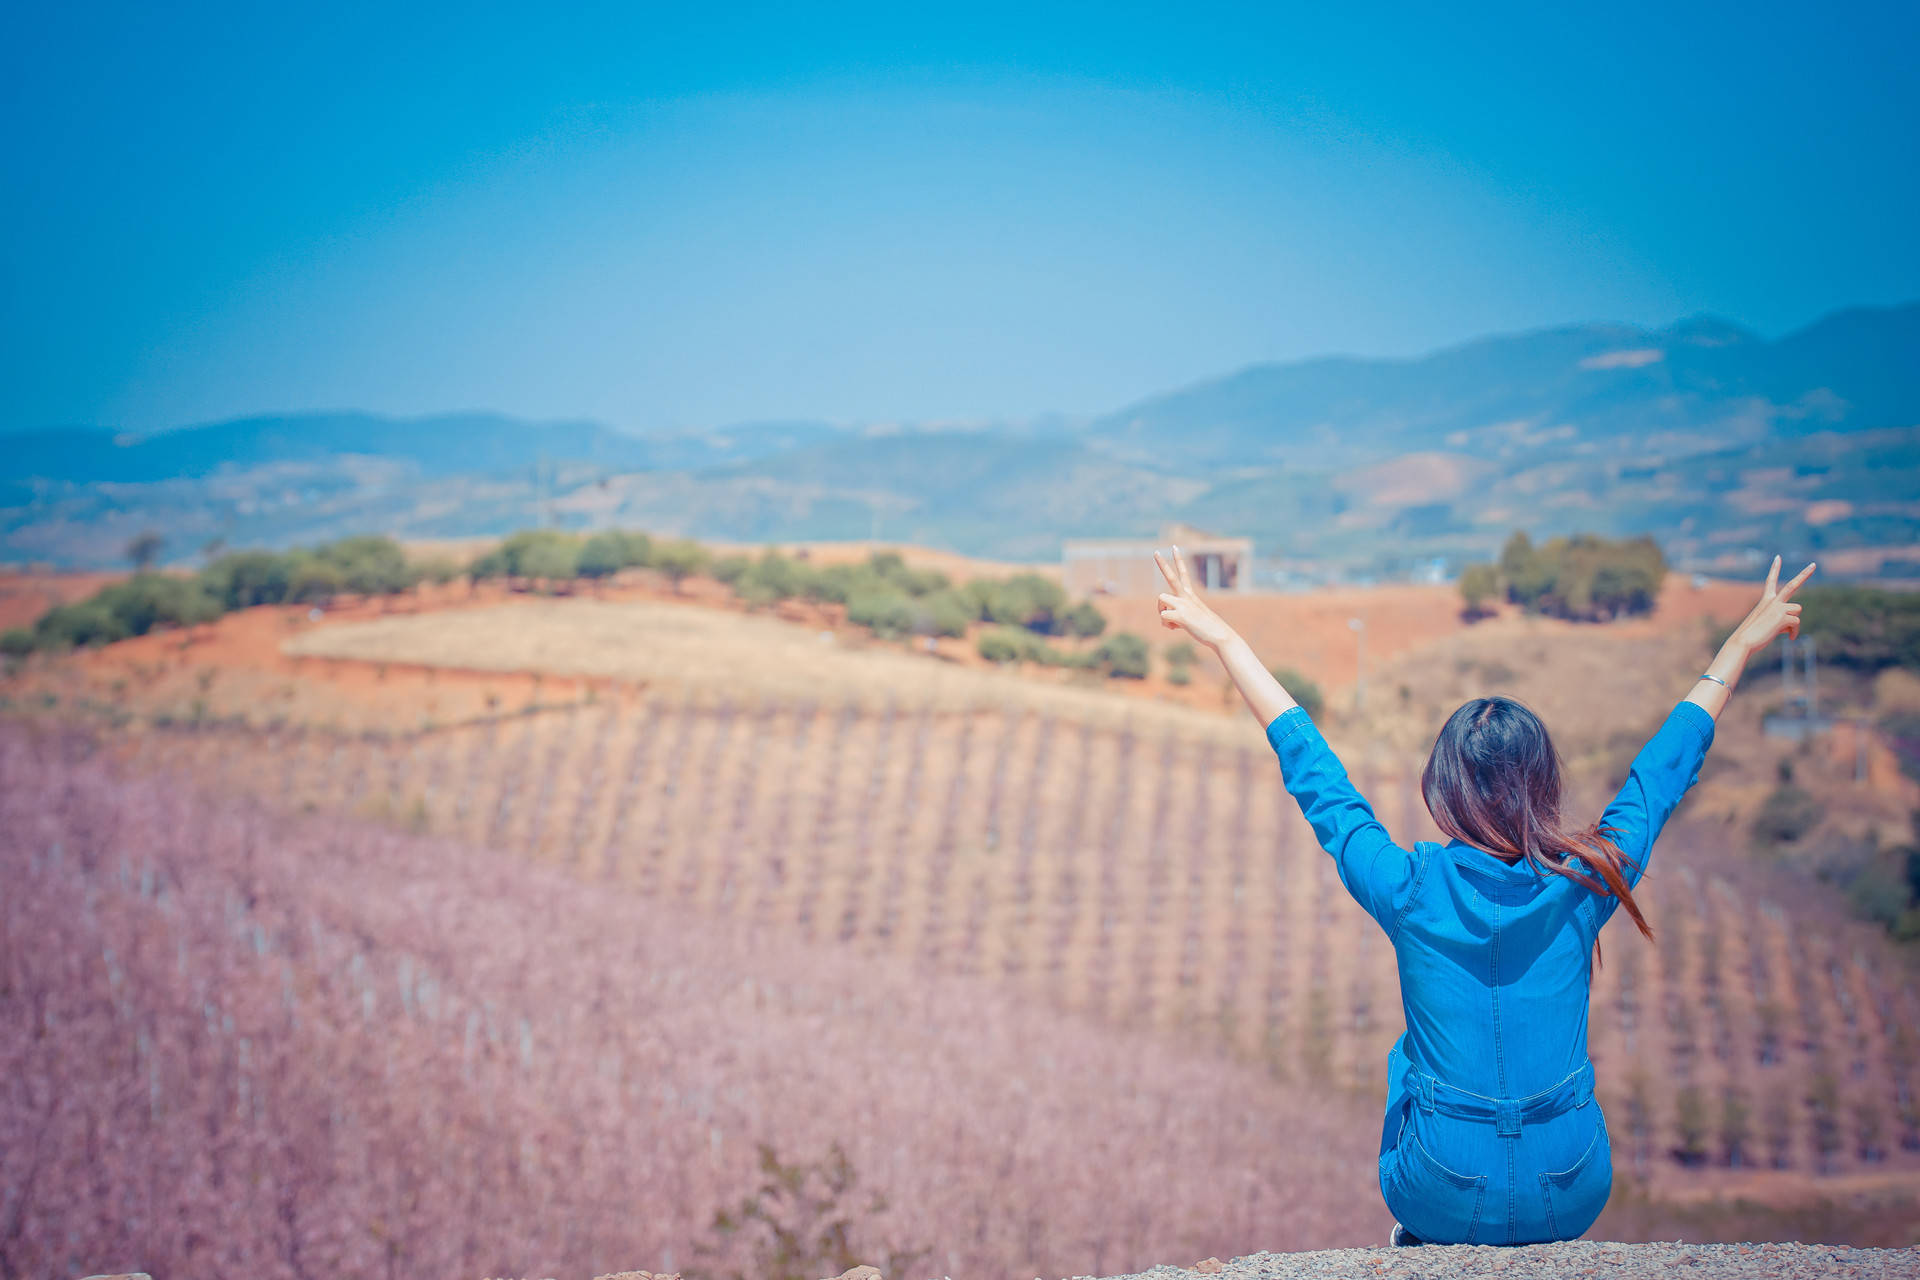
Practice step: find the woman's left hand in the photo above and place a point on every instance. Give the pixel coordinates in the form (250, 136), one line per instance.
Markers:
(1774, 614)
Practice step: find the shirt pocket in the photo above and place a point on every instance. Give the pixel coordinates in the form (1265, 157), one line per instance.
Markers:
(1573, 1197)
(1430, 1199)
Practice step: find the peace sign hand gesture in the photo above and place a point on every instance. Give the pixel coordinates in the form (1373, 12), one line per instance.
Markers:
(1182, 609)
(1774, 614)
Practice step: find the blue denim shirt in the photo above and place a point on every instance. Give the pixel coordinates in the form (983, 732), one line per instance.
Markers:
(1494, 957)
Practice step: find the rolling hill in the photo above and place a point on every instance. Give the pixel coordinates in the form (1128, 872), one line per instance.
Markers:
(1716, 440)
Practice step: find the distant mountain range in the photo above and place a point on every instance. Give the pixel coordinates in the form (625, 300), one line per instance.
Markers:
(1717, 441)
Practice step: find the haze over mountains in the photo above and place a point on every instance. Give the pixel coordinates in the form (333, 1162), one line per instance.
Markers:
(1711, 438)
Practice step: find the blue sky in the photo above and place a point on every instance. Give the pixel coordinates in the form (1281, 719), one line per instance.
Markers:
(663, 217)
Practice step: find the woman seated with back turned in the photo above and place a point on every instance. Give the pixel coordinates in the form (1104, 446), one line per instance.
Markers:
(1492, 1133)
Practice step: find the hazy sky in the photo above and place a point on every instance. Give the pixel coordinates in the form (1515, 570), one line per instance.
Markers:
(665, 218)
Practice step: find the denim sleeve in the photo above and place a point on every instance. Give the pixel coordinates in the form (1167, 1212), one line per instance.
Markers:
(1666, 768)
(1377, 872)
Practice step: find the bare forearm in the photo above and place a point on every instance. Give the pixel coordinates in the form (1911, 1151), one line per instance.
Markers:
(1264, 695)
(1727, 664)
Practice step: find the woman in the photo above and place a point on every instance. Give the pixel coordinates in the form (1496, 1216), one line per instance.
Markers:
(1492, 1134)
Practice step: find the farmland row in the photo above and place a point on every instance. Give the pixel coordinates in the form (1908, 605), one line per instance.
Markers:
(234, 1043)
(1149, 880)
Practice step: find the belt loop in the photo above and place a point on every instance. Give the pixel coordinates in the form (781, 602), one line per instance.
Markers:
(1423, 1089)
(1507, 1118)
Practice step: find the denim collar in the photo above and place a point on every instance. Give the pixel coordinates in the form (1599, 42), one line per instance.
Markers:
(1476, 859)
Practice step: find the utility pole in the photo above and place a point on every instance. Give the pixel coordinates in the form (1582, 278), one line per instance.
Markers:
(1813, 680)
(1359, 629)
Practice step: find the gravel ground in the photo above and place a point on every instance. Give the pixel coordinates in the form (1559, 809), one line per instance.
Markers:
(1574, 1258)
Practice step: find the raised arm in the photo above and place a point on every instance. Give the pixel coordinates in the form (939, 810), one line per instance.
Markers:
(1668, 766)
(1377, 872)
(1182, 609)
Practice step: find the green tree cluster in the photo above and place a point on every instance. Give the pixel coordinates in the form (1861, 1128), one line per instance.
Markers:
(1584, 577)
(532, 555)
(1479, 588)
(365, 565)
(1122, 655)
(131, 608)
(1886, 888)
(882, 593)
(608, 552)
(893, 599)
(1868, 628)
(1786, 816)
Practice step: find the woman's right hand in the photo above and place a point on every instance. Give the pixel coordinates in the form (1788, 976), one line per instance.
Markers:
(1774, 614)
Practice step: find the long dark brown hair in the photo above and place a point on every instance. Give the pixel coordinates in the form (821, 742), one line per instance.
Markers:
(1493, 780)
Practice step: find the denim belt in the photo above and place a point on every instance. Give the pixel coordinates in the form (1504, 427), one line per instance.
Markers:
(1433, 1094)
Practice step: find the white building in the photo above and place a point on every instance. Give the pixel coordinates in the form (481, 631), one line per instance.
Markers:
(1124, 567)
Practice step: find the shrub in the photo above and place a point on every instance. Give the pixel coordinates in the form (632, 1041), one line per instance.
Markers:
(1002, 645)
(130, 608)
(1182, 654)
(1124, 656)
(369, 564)
(1913, 857)
(680, 559)
(885, 564)
(611, 550)
(16, 642)
(942, 613)
(243, 579)
(84, 622)
(890, 568)
(1879, 895)
(839, 583)
(1023, 600)
(1304, 691)
(1479, 584)
(545, 555)
(1690, 1118)
(149, 600)
(530, 553)
(1017, 644)
(1787, 815)
(729, 568)
(314, 581)
(886, 612)
(923, 582)
(1084, 620)
(797, 1226)
(771, 579)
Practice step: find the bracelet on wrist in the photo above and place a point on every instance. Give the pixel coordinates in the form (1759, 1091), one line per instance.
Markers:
(1708, 675)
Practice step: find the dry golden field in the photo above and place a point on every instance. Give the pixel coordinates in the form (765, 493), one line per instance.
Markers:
(683, 648)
